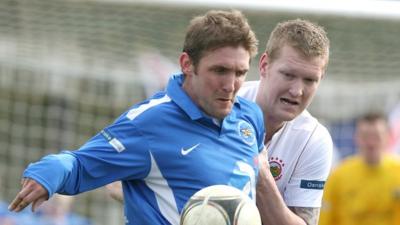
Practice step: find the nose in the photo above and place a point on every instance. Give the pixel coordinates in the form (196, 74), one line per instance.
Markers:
(229, 84)
(296, 89)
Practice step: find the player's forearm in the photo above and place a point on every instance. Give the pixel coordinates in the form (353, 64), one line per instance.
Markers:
(271, 205)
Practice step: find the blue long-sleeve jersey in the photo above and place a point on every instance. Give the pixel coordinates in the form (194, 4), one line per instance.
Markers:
(164, 150)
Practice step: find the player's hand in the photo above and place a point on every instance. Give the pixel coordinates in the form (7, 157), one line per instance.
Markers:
(31, 192)
(115, 191)
(263, 162)
(265, 177)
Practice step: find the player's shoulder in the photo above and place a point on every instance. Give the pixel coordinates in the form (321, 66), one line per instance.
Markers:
(392, 160)
(246, 97)
(249, 85)
(249, 90)
(307, 122)
(349, 164)
(319, 140)
(149, 109)
(304, 120)
(246, 104)
(249, 109)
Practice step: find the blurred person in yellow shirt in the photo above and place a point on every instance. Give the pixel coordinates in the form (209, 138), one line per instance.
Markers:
(365, 189)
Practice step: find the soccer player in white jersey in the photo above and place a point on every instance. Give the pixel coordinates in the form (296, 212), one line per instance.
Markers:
(299, 148)
(194, 134)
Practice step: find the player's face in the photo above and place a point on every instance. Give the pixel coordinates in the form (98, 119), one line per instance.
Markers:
(372, 139)
(214, 82)
(289, 83)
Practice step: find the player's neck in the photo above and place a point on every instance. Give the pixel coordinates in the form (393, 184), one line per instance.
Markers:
(271, 128)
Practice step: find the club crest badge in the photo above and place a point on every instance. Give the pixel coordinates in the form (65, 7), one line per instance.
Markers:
(276, 167)
(246, 131)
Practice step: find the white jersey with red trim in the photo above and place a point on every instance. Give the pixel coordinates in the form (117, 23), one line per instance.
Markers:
(300, 156)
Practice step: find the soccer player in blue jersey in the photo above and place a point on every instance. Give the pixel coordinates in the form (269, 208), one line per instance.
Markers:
(299, 148)
(195, 134)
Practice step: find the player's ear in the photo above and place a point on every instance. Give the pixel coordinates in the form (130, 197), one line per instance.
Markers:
(186, 63)
(263, 63)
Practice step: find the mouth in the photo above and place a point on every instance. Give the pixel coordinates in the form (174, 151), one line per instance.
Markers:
(287, 101)
(225, 102)
(225, 99)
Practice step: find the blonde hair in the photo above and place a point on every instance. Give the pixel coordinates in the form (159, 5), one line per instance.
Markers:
(308, 38)
(218, 29)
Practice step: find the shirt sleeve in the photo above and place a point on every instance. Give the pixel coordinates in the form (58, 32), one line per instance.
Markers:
(118, 152)
(305, 187)
(260, 130)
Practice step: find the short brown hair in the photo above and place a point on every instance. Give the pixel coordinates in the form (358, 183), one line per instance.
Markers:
(371, 117)
(217, 29)
(308, 38)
